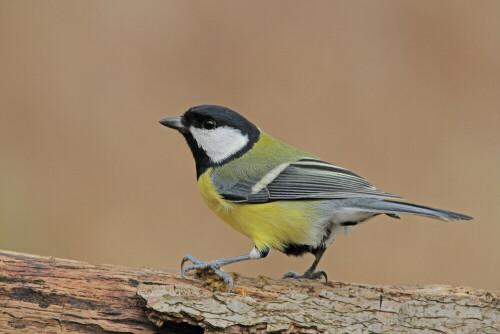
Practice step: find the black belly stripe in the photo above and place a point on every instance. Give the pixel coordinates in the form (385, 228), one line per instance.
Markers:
(349, 224)
(296, 249)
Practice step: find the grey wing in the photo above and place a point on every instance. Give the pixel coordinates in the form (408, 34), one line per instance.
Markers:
(304, 179)
(240, 192)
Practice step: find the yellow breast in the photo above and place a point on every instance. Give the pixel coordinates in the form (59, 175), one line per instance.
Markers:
(270, 225)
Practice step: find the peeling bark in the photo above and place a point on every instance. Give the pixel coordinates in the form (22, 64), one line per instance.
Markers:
(48, 295)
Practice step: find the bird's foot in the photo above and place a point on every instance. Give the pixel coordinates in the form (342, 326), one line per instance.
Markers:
(308, 274)
(213, 266)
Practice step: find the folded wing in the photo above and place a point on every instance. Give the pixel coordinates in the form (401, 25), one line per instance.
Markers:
(304, 179)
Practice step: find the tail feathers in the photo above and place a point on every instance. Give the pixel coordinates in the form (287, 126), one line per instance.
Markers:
(393, 208)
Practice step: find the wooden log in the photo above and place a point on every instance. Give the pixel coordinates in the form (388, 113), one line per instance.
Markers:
(48, 295)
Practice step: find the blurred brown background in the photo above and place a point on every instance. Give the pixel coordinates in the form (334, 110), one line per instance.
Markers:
(407, 94)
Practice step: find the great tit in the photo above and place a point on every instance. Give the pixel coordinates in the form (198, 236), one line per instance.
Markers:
(278, 196)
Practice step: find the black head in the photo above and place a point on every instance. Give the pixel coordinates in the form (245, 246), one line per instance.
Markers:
(215, 134)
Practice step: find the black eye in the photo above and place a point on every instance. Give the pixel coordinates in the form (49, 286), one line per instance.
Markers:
(209, 124)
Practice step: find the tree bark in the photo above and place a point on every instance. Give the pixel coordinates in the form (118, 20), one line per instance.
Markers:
(48, 295)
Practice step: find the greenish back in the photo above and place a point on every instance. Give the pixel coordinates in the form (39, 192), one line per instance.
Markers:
(266, 154)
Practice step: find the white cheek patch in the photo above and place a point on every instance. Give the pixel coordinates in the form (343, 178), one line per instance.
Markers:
(219, 143)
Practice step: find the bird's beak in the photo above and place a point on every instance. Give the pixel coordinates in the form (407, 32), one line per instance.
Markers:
(173, 122)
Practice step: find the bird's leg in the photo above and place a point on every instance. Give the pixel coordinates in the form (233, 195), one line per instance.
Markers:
(215, 265)
(311, 273)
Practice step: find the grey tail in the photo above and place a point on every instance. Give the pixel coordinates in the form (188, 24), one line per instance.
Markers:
(393, 208)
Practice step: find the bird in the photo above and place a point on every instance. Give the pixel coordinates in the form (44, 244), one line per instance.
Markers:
(280, 197)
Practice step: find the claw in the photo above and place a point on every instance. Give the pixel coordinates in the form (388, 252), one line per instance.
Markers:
(186, 258)
(213, 265)
(231, 284)
(185, 270)
(291, 274)
(307, 274)
(322, 273)
(228, 279)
